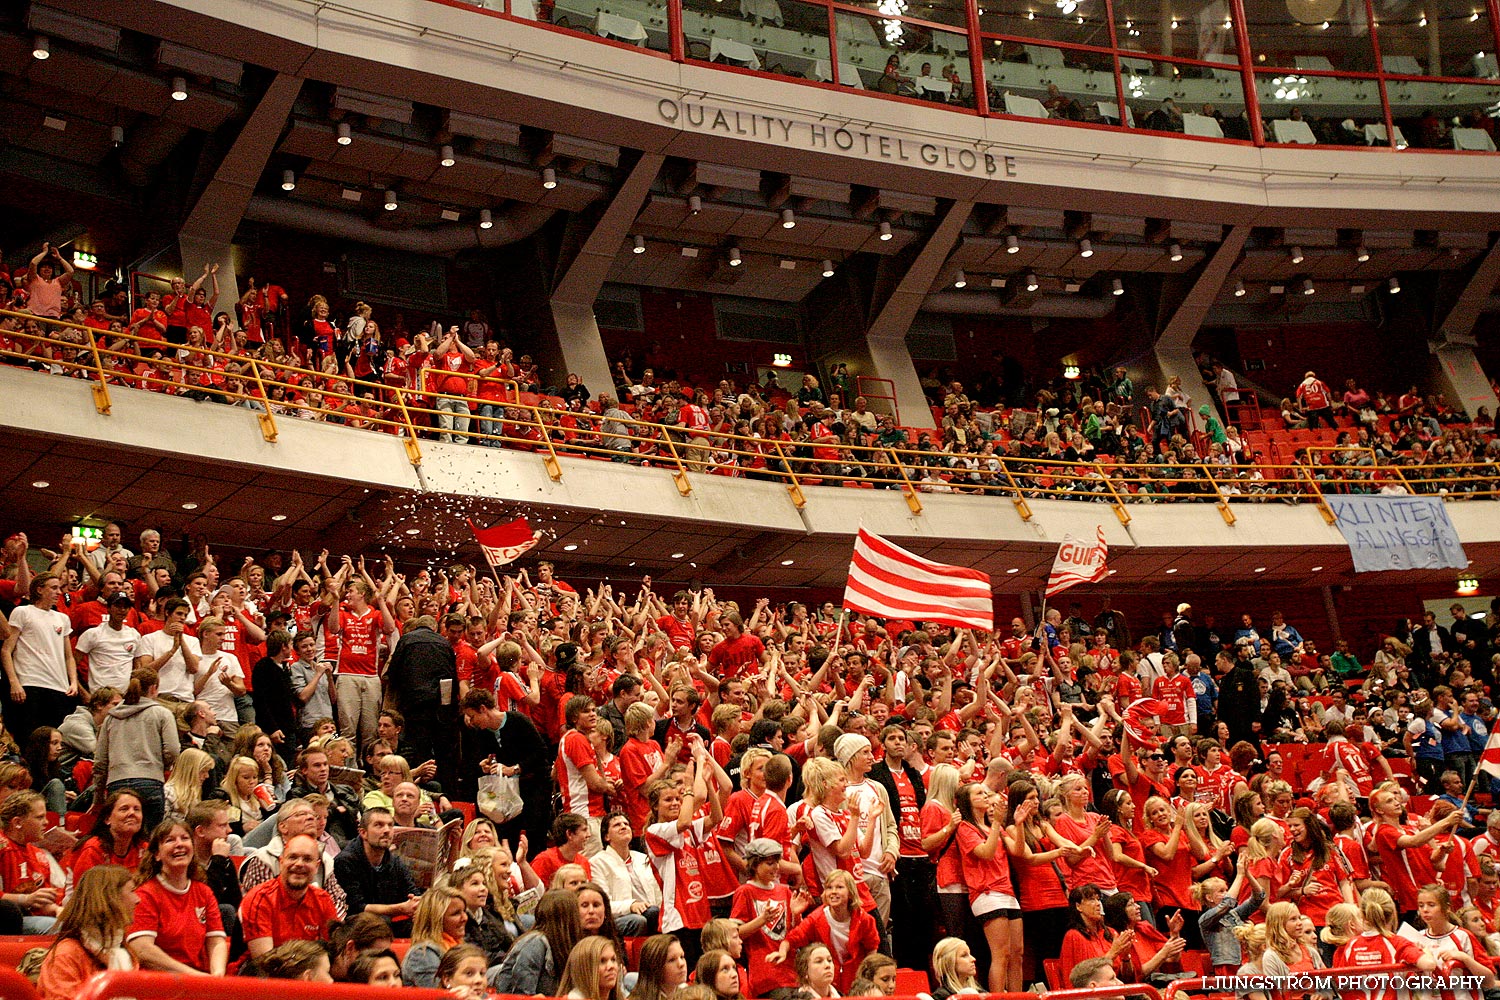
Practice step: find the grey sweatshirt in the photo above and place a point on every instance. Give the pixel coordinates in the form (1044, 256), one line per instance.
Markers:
(136, 741)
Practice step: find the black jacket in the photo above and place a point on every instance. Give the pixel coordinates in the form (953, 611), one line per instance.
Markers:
(275, 701)
(364, 884)
(881, 772)
(421, 662)
(343, 812)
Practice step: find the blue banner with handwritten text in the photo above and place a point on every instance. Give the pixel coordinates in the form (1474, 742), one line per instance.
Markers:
(1398, 532)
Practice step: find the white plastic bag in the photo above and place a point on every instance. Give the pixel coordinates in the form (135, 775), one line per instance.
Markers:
(499, 798)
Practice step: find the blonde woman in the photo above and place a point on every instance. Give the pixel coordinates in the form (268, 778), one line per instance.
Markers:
(1373, 940)
(185, 788)
(954, 968)
(593, 971)
(249, 798)
(1253, 951)
(439, 924)
(1286, 951)
(1262, 853)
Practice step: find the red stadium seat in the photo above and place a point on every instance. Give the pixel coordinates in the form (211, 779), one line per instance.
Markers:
(467, 808)
(1053, 969)
(13, 947)
(910, 982)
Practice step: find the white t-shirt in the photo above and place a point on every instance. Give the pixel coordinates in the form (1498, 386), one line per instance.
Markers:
(214, 692)
(173, 677)
(111, 655)
(40, 655)
(1229, 389)
(870, 805)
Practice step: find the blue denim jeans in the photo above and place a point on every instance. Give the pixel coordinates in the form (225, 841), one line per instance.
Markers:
(489, 422)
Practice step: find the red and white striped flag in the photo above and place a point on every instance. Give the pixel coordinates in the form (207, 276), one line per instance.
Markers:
(887, 581)
(1489, 761)
(1078, 563)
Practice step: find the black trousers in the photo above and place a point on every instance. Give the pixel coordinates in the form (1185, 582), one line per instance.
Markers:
(913, 909)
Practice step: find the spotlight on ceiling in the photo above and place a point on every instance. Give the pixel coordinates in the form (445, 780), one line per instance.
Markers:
(827, 268)
(549, 178)
(288, 180)
(1031, 283)
(179, 88)
(1297, 255)
(1395, 285)
(486, 219)
(117, 136)
(959, 281)
(1174, 252)
(40, 47)
(695, 204)
(1308, 287)
(1012, 243)
(445, 157)
(1117, 286)
(344, 138)
(788, 219)
(638, 244)
(1239, 288)
(885, 231)
(734, 256)
(390, 201)
(1361, 253)
(1085, 248)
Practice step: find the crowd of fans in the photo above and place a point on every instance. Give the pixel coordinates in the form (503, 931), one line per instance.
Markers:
(769, 800)
(1092, 436)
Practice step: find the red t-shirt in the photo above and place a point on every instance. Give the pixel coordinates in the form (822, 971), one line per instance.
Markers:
(445, 378)
(935, 816)
(1333, 874)
(546, 864)
(1174, 878)
(638, 759)
(179, 923)
(1370, 950)
(732, 657)
(735, 826)
(1094, 867)
(1174, 693)
(768, 819)
(1039, 886)
(750, 901)
(908, 815)
(573, 755)
(24, 869)
(359, 649)
(269, 911)
(1131, 880)
(1404, 870)
(980, 874)
(680, 633)
(675, 854)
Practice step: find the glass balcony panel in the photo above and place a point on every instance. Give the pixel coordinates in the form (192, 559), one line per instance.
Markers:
(1183, 97)
(1328, 35)
(785, 37)
(894, 55)
(1434, 115)
(1044, 81)
(1439, 38)
(1302, 109)
(1079, 22)
(636, 22)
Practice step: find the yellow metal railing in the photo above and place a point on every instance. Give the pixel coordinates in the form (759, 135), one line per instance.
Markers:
(276, 389)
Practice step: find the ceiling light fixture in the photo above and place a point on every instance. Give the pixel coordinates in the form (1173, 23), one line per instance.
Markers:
(1170, 571)
(486, 218)
(278, 517)
(413, 531)
(885, 231)
(570, 547)
(638, 244)
(1468, 585)
(827, 268)
(1260, 569)
(1031, 283)
(41, 484)
(189, 506)
(788, 219)
(677, 555)
(1395, 285)
(960, 280)
(85, 261)
(1085, 248)
(117, 136)
(1174, 252)
(787, 562)
(695, 204)
(344, 138)
(445, 157)
(1013, 570)
(1361, 253)
(1117, 286)
(288, 180)
(40, 47)
(734, 256)
(549, 178)
(1297, 255)
(1316, 569)
(1239, 288)
(1012, 243)
(390, 201)
(1307, 286)
(179, 88)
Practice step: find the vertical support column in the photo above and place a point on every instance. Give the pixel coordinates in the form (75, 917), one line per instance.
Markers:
(1456, 371)
(1247, 72)
(581, 346)
(1331, 609)
(890, 358)
(195, 251)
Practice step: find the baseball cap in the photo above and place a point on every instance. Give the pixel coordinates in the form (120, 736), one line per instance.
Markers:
(121, 599)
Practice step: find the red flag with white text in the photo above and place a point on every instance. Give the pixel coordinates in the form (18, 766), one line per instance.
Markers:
(505, 543)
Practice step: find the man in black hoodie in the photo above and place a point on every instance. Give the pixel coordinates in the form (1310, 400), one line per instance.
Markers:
(275, 701)
(422, 683)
